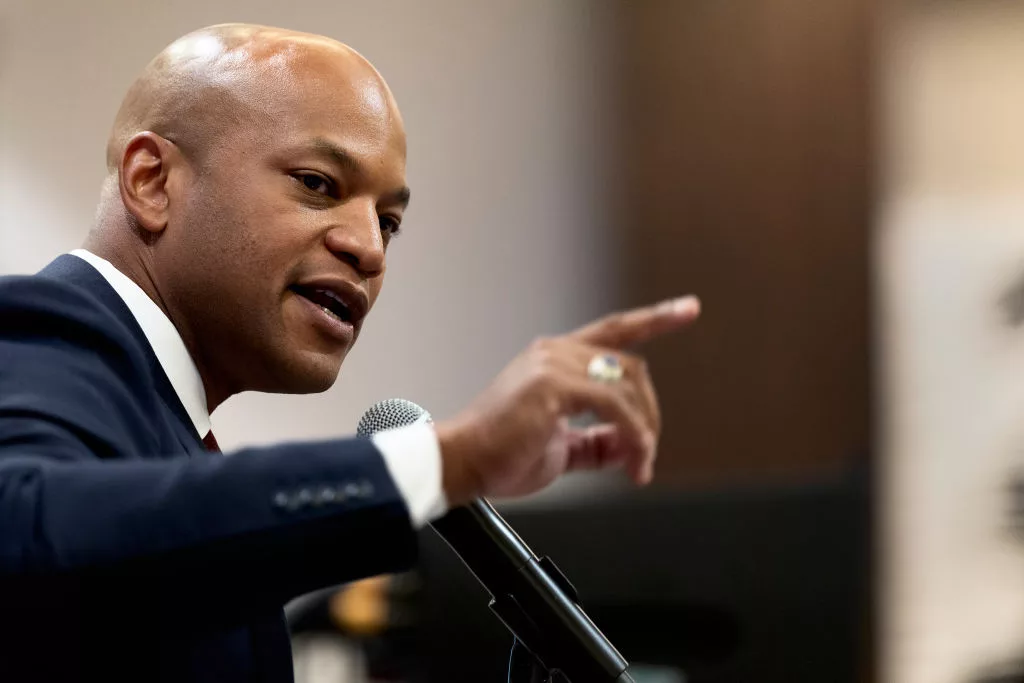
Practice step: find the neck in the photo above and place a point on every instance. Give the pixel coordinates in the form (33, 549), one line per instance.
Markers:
(119, 243)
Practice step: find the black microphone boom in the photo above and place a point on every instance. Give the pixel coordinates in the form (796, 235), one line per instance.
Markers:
(529, 594)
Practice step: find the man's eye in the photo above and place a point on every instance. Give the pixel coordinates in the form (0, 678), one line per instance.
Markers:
(389, 226)
(315, 183)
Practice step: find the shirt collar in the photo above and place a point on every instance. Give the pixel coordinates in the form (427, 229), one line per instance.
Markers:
(163, 336)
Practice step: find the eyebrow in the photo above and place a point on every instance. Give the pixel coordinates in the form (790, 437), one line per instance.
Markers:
(346, 161)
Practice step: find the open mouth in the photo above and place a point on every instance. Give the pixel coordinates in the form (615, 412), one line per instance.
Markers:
(327, 300)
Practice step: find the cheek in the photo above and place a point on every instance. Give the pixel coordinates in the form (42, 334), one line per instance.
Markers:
(254, 238)
(224, 255)
(235, 241)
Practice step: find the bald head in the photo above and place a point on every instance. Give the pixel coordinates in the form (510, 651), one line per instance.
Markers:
(229, 75)
(256, 178)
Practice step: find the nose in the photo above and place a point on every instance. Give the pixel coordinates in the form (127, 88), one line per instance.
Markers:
(357, 239)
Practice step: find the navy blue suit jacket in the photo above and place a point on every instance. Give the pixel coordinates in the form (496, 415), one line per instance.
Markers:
(129, 552)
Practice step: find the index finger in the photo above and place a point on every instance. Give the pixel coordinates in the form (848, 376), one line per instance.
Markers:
(626, 328)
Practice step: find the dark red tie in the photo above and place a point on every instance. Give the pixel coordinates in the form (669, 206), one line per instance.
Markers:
(210, 441)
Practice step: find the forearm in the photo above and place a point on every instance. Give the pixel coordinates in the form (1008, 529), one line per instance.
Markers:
(210, 534)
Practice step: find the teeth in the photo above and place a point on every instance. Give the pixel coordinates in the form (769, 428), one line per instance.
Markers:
(330, 313)
(327, 292)
(334, 297)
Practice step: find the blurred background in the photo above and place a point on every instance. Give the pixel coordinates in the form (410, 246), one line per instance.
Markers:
(840, 491)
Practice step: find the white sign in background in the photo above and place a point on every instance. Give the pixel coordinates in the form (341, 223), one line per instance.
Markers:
(950, 251)
(953, 568)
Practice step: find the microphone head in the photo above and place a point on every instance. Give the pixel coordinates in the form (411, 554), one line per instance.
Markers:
(391, 413)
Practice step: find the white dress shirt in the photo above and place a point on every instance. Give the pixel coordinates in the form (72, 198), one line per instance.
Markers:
(412, 454)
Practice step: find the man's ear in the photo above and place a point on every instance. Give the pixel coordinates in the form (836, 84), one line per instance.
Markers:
(145, 164)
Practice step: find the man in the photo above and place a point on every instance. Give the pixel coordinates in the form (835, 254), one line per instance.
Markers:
(256, 179)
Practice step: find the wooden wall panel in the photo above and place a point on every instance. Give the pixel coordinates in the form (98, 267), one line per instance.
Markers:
(746, 178)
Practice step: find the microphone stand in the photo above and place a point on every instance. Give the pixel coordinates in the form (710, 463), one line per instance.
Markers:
(555, 640)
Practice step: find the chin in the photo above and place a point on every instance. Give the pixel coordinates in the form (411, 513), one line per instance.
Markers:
(307, 376)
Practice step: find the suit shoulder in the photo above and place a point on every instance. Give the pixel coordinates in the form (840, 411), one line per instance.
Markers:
(50, 326)
(44, 309)
(37, 297)
(66, 358)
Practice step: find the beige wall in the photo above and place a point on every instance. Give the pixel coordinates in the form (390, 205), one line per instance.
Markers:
(951, 244)
(506, 234)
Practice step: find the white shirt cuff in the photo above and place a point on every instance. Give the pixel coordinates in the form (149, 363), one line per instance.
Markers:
(413, 458)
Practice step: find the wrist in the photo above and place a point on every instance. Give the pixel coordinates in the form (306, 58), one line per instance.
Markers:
(459, 479)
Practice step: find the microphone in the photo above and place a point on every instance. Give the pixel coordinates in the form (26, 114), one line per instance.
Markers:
(528, 594)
